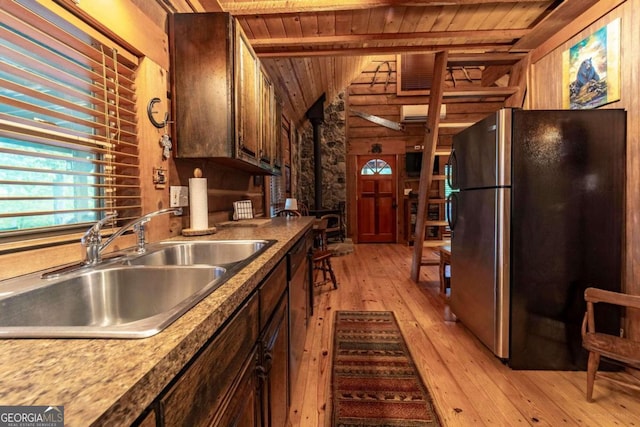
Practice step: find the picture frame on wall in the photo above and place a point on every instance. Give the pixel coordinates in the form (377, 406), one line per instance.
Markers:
(591, 70)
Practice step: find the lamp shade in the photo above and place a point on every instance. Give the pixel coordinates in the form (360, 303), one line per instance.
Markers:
(291, 204)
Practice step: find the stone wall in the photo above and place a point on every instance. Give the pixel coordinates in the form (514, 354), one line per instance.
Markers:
(334, 149)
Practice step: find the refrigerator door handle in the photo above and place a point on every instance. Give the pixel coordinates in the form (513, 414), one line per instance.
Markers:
(452, 207)
(452, 176)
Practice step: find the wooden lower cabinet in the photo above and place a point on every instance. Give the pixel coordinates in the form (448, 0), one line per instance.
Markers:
(202, 392)
(243, 407)
(241, 377)
(299, 303)
(275, 368)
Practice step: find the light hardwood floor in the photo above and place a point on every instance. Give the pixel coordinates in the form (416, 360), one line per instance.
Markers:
(470, 387)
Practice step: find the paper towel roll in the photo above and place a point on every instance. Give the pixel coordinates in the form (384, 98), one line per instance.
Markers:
(198, 209)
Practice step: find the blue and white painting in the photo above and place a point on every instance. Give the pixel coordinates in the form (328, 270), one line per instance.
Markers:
(591, 75)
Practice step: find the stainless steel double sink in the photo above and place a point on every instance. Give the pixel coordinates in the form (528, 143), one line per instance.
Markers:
(129, 296)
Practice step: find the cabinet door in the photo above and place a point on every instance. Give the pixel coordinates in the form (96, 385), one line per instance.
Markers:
(247, 100)
(275, 365)
(299, 302)
(201, 79)
(199, 394)
(277, 135)
(243, 405)
(267, 114)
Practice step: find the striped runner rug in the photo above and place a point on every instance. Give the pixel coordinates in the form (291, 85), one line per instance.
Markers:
(374, 379)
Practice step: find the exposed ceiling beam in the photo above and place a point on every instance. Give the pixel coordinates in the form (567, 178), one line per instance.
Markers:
(597, 11)
(372, 38)
(553, 23)
(301, 51)
(505, 91)
(478, 59)
(211, 6)
(493, 73)
(306, 6)
(196, 6)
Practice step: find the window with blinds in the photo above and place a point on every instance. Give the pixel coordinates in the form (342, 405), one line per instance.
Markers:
(68, 143)
(277, 194)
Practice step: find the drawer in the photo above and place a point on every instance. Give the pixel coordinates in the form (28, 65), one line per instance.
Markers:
(271, 290)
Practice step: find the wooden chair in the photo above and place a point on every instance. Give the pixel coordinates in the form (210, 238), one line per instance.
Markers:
(287, 212)
(303, 209)
(334, 226)
(623, 350)
(321, 256)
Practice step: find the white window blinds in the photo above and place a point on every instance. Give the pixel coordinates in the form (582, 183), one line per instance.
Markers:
(68, 143)
(277, 194)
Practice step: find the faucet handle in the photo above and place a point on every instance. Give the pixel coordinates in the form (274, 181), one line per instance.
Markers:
(139, 229)
(92, 236)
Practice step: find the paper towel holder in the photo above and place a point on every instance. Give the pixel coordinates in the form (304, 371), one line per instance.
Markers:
(197, 173)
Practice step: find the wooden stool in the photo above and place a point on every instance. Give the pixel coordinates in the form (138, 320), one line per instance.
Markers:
(321, 256)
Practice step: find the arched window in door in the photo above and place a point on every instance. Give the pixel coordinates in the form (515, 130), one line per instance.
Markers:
(376, 167)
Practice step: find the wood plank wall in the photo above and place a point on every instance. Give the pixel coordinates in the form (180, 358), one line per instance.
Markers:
(547, 93)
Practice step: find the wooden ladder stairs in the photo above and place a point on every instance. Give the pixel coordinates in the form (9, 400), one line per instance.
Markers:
(428, 160)
(514, 95)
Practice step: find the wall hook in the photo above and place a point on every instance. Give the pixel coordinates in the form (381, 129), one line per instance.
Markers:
(151, 113)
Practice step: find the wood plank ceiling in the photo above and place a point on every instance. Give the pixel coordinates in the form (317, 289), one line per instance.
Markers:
(311, 47)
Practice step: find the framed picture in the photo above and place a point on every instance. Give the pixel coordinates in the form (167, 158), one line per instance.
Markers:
(591, 70)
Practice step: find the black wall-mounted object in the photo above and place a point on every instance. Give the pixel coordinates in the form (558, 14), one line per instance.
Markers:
(413, 164)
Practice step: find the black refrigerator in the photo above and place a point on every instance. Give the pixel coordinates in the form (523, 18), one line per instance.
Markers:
(538, 217)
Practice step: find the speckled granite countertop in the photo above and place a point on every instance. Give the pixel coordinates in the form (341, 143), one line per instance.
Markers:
(112, 381)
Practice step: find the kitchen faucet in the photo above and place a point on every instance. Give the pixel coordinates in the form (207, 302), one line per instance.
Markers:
(92, 240)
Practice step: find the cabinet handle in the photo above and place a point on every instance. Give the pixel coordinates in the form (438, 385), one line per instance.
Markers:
(261, 372)
(268, 358)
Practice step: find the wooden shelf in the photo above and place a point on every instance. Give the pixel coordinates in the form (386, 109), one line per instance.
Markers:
(435, 227)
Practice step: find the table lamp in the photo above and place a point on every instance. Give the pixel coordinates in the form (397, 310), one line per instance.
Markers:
(291, 204)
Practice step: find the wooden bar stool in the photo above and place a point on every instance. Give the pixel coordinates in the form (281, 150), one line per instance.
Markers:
(321, 256)
(445, 273)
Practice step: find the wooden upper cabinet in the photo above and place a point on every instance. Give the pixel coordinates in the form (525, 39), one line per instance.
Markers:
(216, 85)
(247, 89)
(267, 101)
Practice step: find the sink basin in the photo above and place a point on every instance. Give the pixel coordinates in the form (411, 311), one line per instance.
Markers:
(216, 252)
(123, 302)
(129, 296)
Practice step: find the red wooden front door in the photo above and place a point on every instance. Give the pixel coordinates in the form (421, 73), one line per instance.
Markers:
(376, 199)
